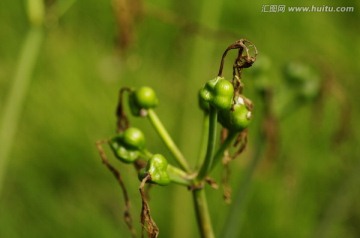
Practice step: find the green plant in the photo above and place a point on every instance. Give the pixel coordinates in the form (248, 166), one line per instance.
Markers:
(222, 102)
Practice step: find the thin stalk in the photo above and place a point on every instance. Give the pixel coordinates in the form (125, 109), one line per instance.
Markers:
(205, 132)
(220, 152)
(164, 135)
(202, 214)
(179, 176)
(36, 12)
(200, 54)
(207, 164)
(16, 98)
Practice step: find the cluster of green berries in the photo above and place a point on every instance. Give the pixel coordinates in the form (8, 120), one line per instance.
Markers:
(129, 145)
(219, 94)
(234, 113)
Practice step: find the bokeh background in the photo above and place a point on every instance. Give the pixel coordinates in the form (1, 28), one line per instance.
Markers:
(300, 177)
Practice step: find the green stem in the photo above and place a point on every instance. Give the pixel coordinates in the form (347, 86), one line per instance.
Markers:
(16, 98)
(160, 129)
(36, 12)
(202, 214)
(207, 164)
(179, 176)
(220, 152)
(205, 131)
(146, 154)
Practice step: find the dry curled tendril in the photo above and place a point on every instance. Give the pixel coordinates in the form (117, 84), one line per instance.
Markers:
(146, 220)
(247, 53)
(127, 215)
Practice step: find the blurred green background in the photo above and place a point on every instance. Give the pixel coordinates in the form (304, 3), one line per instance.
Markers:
(54, 184)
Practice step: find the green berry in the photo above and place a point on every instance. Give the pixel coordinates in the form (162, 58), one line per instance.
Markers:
(236, 119)
(142, 98)
(134, 138)
(121, 152)
(128, 145)
(218, 93)
(145, 97)
(203, 104)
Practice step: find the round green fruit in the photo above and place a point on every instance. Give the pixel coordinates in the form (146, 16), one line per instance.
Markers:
(134, 138)
(145, 98)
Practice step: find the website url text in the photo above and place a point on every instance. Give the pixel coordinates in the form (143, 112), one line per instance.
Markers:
(313, 8)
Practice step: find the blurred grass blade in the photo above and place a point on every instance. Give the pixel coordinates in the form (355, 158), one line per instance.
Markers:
(36, 12)
(15, 100)
(339, 207)
(235, 217)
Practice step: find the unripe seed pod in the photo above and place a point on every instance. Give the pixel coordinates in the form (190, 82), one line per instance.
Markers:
(134, 138)
(128, 145)
(142, 99)
(145, 97)
(157, 169)
(236, 119)
(218, 93)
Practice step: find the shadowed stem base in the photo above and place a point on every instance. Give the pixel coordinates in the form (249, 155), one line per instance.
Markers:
(202, 214)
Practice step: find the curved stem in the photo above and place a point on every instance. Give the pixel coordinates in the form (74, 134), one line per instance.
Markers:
(240, 44)
(202, 214)
(235, 45)
(223, 61)
(160, 129)
(207, 164)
